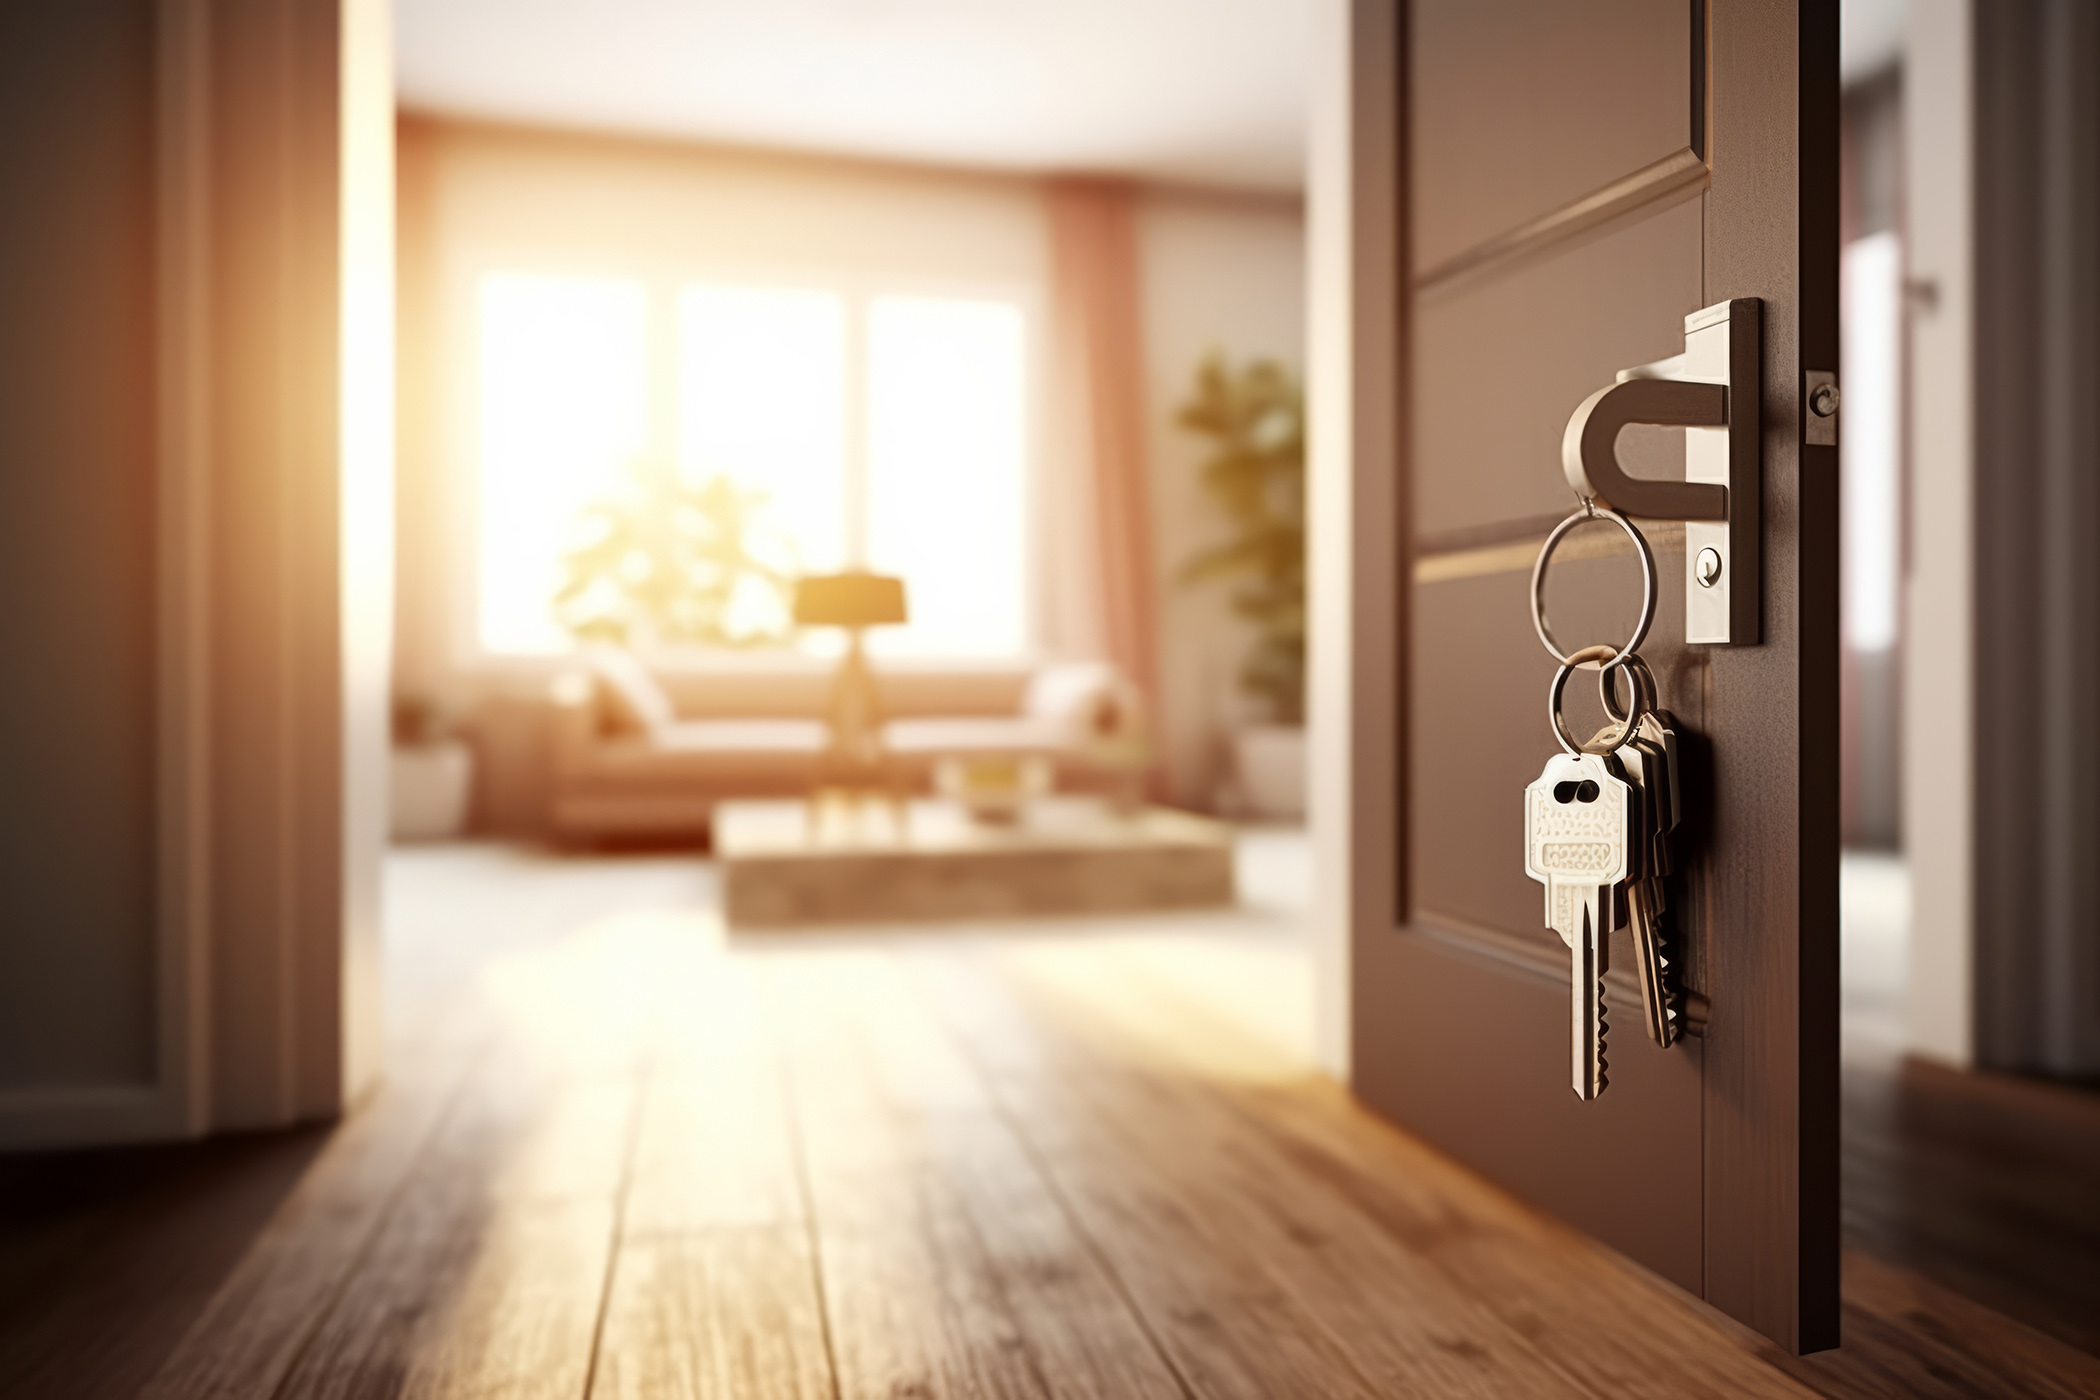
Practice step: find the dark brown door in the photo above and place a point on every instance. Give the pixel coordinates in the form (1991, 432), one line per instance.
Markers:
(1578, 179)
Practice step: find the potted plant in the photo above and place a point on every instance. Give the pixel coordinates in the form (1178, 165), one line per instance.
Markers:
(665, 561)
(1253, 416)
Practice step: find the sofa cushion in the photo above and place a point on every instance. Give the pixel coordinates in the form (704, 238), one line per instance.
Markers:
(1088, 702)
(975, 735)
(781, 736)
(634, 703)
(720, 756)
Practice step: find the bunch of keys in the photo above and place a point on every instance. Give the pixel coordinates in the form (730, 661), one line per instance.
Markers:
(1648, 759)
(1597, 828)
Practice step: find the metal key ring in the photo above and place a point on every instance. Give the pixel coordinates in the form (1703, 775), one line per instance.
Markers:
(1592, 511)
(1603, 657)
(1639, 676)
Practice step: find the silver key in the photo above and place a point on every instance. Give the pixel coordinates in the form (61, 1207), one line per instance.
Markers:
(1646, 768)
(1656, 740)
(1578, 843)
(1646, 759)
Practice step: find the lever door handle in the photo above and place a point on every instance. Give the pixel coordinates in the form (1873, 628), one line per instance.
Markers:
(1589, 450)
(1713, 391)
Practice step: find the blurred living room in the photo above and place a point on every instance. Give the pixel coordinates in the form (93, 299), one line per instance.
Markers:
(862, 444)
(844, 698)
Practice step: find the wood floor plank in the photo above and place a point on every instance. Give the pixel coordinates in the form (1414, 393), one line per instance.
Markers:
(948, 1267)
(1108, 1138)
(1905, 1336)
(249, 1335)
(1546, 1277)
(1562, 1296)
(110, 1255)
(1090, 1166)
(714, 1293)
(487, 1276)
(714, 1313)
(1982, 1181)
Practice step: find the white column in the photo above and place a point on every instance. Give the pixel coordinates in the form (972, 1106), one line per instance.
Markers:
(1939, 699)
(1353, 289)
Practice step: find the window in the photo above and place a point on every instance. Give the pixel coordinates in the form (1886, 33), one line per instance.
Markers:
(944, 504)
(878, 430)
(562, 408)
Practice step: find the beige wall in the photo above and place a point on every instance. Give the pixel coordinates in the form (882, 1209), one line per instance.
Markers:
(1222, 271)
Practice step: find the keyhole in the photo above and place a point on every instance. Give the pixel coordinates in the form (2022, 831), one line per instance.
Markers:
(1587, 792)
(1565, 792)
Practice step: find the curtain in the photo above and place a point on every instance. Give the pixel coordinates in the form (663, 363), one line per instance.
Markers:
(1101, 590)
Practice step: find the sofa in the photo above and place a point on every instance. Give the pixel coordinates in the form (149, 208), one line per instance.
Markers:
(629, 763)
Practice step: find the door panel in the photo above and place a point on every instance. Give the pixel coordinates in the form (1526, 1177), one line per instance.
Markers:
(1527, 105)
(1547, 333)
(1479, 675)
(1625, 1167)
(1537, 278)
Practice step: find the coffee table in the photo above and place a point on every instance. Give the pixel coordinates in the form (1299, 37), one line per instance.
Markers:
(795, 863)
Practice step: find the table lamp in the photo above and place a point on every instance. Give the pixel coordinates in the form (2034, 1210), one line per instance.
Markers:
(856, 602)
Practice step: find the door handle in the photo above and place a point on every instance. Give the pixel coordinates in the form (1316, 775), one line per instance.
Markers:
(1589, 451)
(1712, 392)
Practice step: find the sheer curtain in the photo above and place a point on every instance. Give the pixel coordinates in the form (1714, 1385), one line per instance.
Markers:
(1100, 590)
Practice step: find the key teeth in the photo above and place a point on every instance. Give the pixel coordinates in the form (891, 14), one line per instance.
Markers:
(1665, 965)
(1603, 1031)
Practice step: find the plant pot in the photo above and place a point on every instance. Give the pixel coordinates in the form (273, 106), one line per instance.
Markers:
(430, 785)
(1270, 759)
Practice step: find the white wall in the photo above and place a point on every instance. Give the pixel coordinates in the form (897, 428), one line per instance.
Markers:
(366, 433)
(1938, 692)
(1220, 273)
(1353, 203)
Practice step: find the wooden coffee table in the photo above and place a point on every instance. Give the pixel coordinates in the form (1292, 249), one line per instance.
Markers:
(792, 863)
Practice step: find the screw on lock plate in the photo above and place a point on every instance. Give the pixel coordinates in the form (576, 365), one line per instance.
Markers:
(1819, 426)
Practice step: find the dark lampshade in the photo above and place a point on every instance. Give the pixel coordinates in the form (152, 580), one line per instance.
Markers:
(849, 600)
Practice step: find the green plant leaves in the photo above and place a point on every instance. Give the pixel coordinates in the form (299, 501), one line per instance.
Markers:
(1254, 418)
(667, 562)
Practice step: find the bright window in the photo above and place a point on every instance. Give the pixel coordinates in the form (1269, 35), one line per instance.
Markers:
(762, 400)
(563, 407)
(883, 431)
(944, 487)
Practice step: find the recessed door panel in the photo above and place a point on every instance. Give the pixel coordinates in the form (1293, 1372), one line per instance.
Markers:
(1481, 676)
(1500, 361)
(1524, 106)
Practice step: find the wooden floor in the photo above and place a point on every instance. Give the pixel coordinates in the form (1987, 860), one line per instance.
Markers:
(640, 1160)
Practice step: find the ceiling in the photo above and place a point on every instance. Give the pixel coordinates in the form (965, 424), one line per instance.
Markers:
(1206, 91)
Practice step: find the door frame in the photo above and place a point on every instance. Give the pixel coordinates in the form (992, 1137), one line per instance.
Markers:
(272, 241)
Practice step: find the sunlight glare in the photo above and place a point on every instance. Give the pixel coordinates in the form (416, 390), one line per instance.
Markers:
(562, 408)
(761, 399)
(947, 473)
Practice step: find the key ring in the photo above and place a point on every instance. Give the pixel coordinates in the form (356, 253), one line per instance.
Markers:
(1604, 658)
(1639, 676)
(1592, 511)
